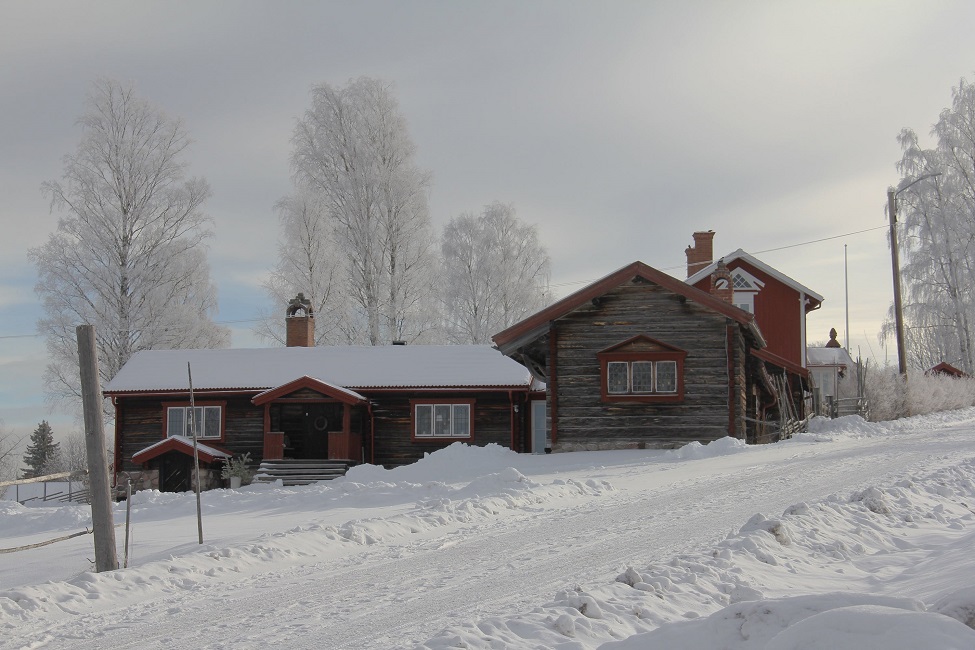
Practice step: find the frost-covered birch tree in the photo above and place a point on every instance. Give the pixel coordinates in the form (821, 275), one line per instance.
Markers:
(8, 448)
(495, 272)
(128, 255)
(937, 217)
(353, 150)
(309, 263)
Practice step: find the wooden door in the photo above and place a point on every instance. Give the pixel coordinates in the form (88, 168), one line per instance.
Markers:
(317, 421)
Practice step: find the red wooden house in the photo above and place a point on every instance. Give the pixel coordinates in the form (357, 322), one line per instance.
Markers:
(386, 404)
(780, 305)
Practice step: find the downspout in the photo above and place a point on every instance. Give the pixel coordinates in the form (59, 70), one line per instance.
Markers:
(553, 391)
(118, 440)
(802, 328)
(511, 417)
(731, 380)
(372, 434)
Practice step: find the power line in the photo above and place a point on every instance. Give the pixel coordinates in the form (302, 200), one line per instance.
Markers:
(558, 284)
(767, 250)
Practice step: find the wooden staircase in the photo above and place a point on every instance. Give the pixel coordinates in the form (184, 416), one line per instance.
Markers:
(300, 471)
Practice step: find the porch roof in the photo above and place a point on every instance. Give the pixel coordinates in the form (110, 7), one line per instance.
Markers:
(343, 395)
(181, 444)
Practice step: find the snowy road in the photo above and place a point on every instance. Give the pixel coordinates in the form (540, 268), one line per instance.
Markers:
(403, 590)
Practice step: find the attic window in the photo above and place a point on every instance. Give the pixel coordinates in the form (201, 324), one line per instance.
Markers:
(741, 282)
(642, 369)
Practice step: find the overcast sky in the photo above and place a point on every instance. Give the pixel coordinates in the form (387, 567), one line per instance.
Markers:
(618, 128)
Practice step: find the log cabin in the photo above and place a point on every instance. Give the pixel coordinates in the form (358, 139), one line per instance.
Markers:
(387, 405)
(640, 359)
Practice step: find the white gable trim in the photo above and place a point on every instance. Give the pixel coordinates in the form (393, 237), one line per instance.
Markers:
(756, 284)
(742, 255)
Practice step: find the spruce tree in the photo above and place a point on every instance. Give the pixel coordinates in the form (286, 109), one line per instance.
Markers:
(41, 451)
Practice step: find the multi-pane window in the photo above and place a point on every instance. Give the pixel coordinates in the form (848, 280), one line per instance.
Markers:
(206, 420)
(442, 420)
(641, 377)
(642, 369)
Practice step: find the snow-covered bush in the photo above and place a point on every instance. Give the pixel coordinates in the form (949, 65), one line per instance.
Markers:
(890, 398)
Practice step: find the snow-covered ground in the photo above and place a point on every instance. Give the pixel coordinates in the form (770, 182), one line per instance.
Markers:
(858, 535)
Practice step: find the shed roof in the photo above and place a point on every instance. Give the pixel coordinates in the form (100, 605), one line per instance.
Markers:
(828, 357)
(350, 367)
(535, 325)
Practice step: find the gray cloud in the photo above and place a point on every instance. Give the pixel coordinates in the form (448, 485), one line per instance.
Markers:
(618, 128)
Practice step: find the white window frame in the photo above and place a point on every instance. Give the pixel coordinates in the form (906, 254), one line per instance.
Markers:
(457, 426)
(203, 433)
(654, 387)
(656, 383)
(744, 297)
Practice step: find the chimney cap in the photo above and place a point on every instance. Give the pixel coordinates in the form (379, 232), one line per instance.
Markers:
(300, 303)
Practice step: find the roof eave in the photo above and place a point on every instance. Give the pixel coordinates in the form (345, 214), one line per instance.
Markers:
(529, 329)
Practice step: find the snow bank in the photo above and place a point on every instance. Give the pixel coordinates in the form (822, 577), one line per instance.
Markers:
(452, 464)
(696, 451)
(435, 505)
(738, 596)
(834, 621)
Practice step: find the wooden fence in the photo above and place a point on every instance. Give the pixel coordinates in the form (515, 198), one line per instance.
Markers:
(81, 494)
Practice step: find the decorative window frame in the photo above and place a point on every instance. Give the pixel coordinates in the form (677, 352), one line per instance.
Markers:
(641, 349)
(744, 296)
(442, 402)
(201, 404)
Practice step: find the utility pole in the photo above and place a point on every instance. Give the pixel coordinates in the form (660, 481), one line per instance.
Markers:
(102, 519)
(895, 262)
(196, 456)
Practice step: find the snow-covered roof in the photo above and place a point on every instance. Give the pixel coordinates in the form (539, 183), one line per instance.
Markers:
(828, 357)
(757, 263)
(351, 367)
(185, 445)
(344, 394)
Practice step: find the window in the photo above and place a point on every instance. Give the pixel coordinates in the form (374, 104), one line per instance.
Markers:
(747, 286)
(208, 420)
(642, 369)
(641, 377)
(741, 282)
(442, 420)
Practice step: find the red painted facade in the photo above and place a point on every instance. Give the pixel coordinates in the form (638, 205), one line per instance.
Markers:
(779, 312)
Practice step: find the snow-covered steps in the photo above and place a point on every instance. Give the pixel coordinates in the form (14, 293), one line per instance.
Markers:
(300, 471)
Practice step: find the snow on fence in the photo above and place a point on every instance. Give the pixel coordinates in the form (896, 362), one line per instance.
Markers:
(48, 488)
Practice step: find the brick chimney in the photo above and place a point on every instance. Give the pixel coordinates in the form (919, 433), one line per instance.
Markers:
(721, 286)
(300, 327)
(701, 253)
